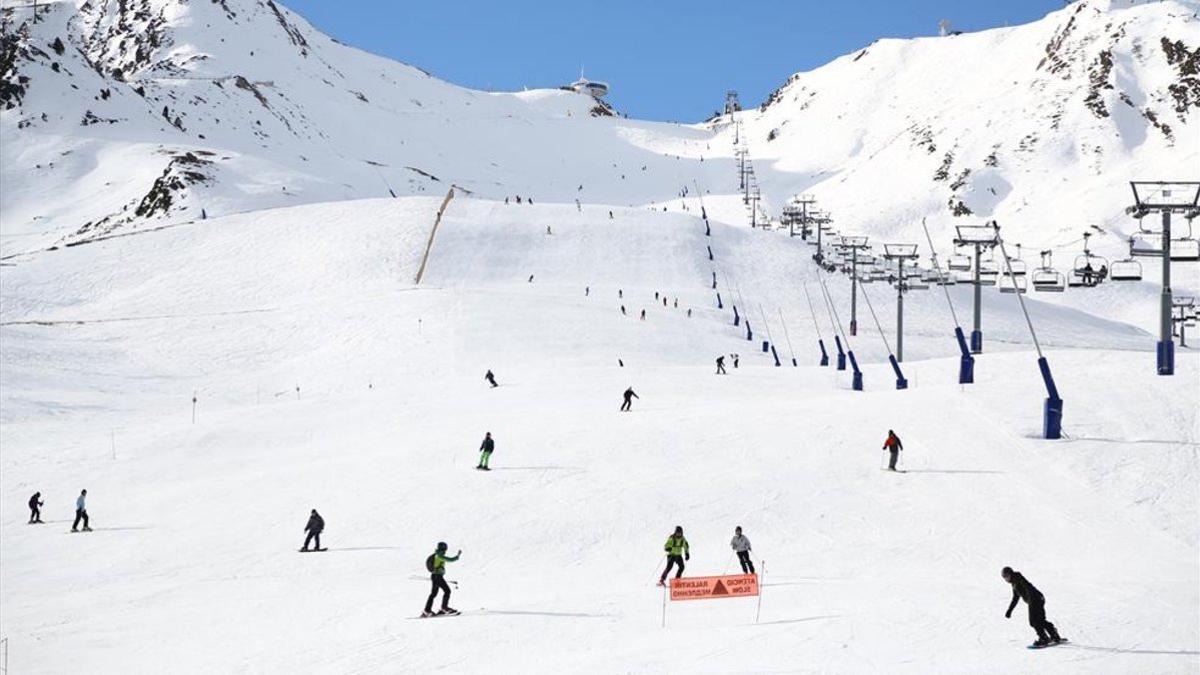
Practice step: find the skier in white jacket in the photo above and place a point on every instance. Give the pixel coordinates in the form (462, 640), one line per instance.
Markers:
(741, 545)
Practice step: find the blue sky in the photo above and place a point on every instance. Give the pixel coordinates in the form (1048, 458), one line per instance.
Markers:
(665, 60)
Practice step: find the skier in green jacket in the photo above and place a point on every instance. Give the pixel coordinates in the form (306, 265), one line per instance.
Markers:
(677, 551)
(436, 564)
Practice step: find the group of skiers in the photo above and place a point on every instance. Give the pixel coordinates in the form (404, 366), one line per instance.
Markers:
(721, 363)
(35, 504)
(678, 552)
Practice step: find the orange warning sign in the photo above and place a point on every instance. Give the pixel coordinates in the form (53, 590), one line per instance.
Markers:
(707, 588)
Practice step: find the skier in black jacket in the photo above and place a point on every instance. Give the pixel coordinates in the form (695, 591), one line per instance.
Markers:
(1023, 590)
(485, 451)
(315, 524)
(491, 379)
(629, 396)
(35, 508)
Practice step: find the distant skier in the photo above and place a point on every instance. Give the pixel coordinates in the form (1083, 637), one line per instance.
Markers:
(548, 230)
(689, 312)
(621, 362)
(629, 396)
(314, 527)
(741, 545)
(587, 291)
(643, 315)
(676, 303)
(491, 379)
(736, 359)
(531, 278)
(81, 513)
(721, 365)
(656, 296)
(610, 216)
(436, 564)
(893, 446)
(35, 508)
(677, 551)
(623, 310)
(664, 301)
(485, 451)
(620, 293)
(1023, 590)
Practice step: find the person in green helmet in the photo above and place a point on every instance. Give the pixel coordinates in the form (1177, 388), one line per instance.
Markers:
(436, 564)
(677, 551)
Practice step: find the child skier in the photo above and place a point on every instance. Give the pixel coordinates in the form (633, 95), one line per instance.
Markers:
(436, 564)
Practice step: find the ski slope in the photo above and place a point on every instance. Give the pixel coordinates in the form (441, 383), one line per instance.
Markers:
(326, 379)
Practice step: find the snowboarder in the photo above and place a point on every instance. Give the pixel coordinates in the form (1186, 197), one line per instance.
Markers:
(485, 450)
(893, 446)
(491, 379)
(629, 396)
(81, 513)
(677, 551)
(436, 564)
(1023, 590)
(721, 365)
(35, 508)
(741, 545)
(315, 524)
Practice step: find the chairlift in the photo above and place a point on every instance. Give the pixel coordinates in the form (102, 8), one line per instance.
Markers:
(1013, 284)
(1046, 279)
(1090, 269)
(1145, 245)
(1125, 270)
(947, 279)
(1185, 250)
(988, 271)
(1017, 264)
(959, 262)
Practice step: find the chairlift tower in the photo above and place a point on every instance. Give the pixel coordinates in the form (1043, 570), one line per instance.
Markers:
(854, 245)
(901, 253)
(731, 102)
(1165, 198)
(981, 237)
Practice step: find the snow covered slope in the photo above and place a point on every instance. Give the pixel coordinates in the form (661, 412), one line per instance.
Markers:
(123, 115)
(325, 378)
(209, 380)
(1039, 126)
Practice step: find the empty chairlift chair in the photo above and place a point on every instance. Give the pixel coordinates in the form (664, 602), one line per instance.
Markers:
(1125, 270)
(1046, 279)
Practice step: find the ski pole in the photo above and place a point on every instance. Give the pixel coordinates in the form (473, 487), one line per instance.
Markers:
(727, 561)
(656, 565)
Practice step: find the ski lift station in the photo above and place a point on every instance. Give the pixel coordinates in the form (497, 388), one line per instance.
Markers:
(590, 87)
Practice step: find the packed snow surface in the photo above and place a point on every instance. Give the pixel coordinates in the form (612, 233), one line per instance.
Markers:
(210, 319)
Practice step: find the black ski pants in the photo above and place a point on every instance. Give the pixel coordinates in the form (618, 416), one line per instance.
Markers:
(35, 514)
(439, 582)
(314, 536)
(720, 368)
(747, 563)
(1037, 619)
(895, 456)
(80, 514)
(673, 560)
(627, 404)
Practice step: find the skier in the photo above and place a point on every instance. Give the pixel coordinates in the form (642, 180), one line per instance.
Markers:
(622, 310)
(548, 230)
(81, 513)
(315, 524)
(587, 291)
(620, 293)
(629, 396)
(741, 545)
(664, 301)
(656, 296)
(676, 303)
(486, 449)
(1023, 590)
(35, 508)
(736, 358)
(531, 278)
(677, 551)
(643, 315)
(491, 379)
(721, 365)
(893, 446)
(689, 312)
(436, 564)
